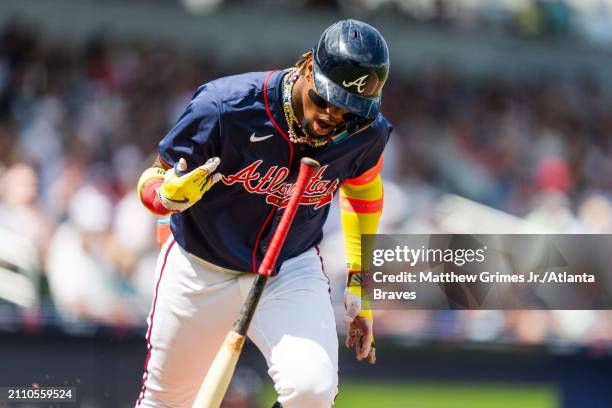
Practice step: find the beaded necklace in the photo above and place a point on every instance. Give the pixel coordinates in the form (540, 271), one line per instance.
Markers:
(288, 83)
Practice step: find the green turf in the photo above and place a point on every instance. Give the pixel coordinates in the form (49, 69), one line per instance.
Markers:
(358, 394)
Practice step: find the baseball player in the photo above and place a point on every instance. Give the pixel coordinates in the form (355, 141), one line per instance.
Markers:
(224, 173)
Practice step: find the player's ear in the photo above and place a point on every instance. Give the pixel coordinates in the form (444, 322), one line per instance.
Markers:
(309, 68)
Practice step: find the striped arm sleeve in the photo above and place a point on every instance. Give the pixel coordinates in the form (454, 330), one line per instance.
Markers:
(361, 201)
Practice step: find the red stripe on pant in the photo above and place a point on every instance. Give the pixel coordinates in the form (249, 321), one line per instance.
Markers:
(323, 270)
(143, 387)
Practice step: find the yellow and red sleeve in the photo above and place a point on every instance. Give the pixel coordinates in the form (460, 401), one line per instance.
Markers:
(361, 202)
(150, 180)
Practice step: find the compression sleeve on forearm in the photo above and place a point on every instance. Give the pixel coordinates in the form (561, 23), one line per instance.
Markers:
(361, 201)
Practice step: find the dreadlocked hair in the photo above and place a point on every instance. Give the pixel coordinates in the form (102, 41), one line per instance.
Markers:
(302, 62)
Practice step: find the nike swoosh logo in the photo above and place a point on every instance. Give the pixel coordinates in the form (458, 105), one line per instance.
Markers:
(183, 201)
(260, 138)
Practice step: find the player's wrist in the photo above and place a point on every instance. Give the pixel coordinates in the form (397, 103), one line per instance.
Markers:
(355, 277)
(358, 292)
(148, 185)
(149, 175)
(355, 289)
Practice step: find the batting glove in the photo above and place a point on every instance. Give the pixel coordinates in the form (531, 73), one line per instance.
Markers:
(360, 319)
(180, 191)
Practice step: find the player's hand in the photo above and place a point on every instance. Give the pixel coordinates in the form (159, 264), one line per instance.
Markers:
(360, 320)
(180, 191)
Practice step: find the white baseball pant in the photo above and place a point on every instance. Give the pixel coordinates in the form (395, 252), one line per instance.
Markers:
(195, 306)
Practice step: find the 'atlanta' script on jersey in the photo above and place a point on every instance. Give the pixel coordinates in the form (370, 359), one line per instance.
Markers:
(319, 192)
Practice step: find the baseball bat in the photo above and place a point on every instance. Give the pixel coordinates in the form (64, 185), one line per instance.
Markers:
(220, 373)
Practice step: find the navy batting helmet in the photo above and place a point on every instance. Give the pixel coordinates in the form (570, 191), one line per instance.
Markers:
(351, 64)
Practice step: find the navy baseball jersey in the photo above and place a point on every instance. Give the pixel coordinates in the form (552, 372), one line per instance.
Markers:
(241, 120)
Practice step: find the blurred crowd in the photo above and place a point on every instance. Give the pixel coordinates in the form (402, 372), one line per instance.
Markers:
(522, 17)
(79, 124)
(587, 21)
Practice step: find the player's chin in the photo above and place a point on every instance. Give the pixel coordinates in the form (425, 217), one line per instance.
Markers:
(321, 128)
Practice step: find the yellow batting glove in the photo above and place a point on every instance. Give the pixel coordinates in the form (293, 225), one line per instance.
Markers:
(360, 319)
(180, 191)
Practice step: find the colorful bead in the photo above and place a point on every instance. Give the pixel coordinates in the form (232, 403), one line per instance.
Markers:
(288, 82)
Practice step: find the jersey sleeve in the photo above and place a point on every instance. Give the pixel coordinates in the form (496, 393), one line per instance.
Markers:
(196, 134)
(368, 159)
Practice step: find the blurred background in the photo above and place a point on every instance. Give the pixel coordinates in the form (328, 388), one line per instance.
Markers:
(503, 124)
